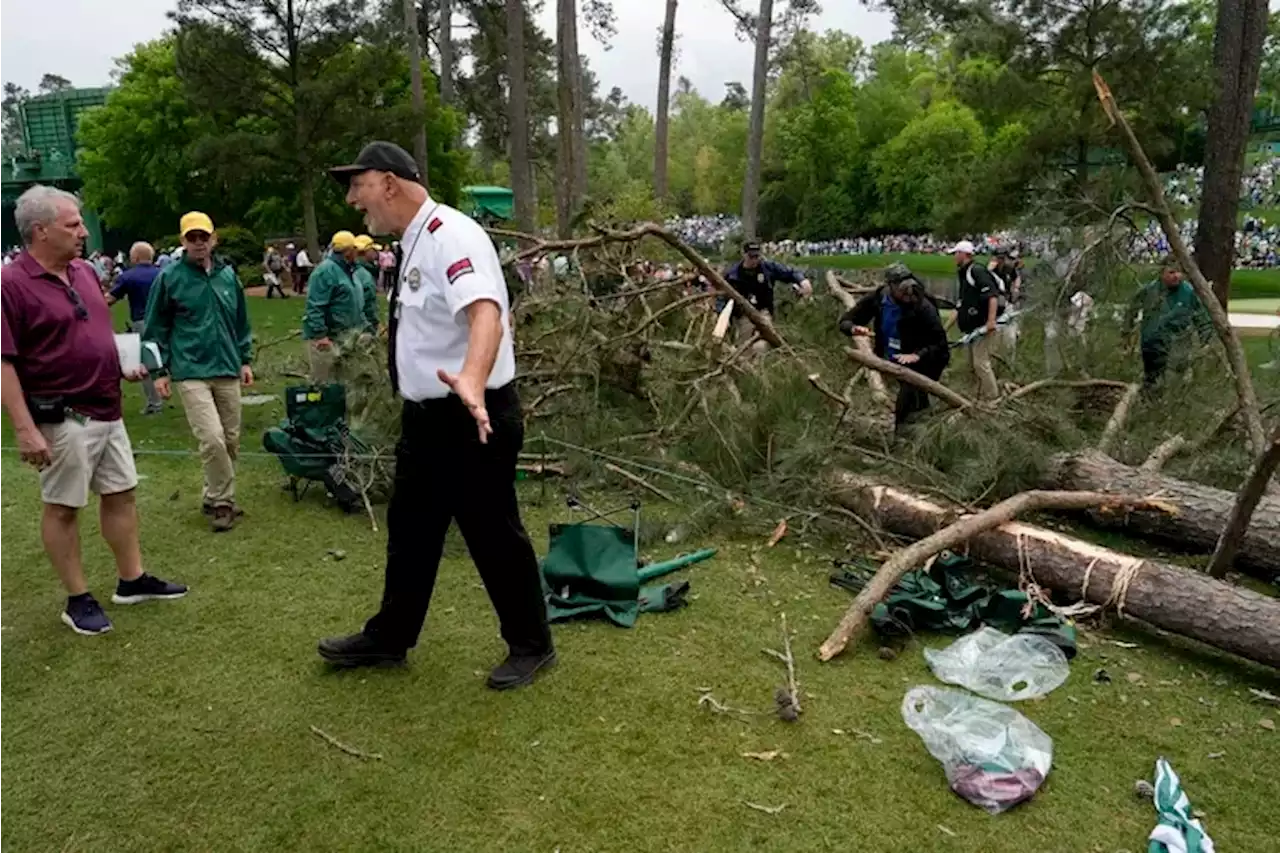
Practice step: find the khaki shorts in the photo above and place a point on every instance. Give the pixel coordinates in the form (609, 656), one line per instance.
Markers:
(95, 455)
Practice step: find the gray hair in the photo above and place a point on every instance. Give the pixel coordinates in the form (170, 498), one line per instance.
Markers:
(39, 206)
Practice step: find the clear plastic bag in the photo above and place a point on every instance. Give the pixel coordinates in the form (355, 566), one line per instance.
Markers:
(995, 665)
(993, 756)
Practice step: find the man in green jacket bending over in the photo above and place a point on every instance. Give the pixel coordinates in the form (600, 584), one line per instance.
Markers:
(1170, 310)
(335, 305)
(366, 276)
(197, 317)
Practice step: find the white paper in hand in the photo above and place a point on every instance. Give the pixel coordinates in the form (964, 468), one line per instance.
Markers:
(129, 347)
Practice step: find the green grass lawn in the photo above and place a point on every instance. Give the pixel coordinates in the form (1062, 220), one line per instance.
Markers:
(187, 727)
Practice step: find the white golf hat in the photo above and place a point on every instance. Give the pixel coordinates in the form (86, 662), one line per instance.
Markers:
(963, 246)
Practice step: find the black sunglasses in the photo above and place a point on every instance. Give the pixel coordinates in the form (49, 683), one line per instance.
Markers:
(82, 313)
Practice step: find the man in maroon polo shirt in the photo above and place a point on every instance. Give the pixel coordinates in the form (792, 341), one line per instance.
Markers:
(61, 388)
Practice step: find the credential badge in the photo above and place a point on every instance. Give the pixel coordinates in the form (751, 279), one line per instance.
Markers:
(415, 278)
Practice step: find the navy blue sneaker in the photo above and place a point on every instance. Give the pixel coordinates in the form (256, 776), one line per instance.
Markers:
(84, 615)
(146, 588)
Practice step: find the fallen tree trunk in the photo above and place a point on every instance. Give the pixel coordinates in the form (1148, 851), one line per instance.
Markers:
(1199, 515)
(1188, 603)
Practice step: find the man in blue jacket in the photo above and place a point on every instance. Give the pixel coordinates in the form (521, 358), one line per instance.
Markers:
(754, 277)
(134, 284)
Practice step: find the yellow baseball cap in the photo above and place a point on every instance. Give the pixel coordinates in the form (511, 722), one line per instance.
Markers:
(343, 240)
(195, 221)
(363, 242)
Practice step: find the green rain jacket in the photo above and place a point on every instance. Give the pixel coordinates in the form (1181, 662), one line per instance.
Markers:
(1168, 314)
(367, 279)
(199, 321)
(335, 304)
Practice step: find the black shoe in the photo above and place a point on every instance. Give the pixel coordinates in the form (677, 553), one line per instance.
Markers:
(146, 588)
(84, 616)
(357, 650)
(518, 670)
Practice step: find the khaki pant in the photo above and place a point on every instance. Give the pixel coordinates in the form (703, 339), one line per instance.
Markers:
(980, 353)
(90, 456)
(743, 329)
(213, 411)
(322, 362)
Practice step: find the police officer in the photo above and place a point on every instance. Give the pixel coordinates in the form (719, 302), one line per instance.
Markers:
(452, 360)
(754, 277)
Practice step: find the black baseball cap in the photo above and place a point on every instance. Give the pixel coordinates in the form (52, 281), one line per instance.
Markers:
(379, 157)
(751, 247)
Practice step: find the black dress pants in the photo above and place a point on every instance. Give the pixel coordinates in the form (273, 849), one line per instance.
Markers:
(444, 473)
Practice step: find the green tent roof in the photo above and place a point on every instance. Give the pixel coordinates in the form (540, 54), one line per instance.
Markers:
(498, 202)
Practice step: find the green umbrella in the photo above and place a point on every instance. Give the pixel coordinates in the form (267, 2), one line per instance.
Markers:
(1177, 831)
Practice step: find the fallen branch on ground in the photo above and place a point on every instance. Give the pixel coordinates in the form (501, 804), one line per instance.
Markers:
(1163, 452)
(857, 617)
(1246, 504)
(787, 699)
(349, 750)
(1185, 602)
(639, 481)
(1041, 384)
(1119, 417)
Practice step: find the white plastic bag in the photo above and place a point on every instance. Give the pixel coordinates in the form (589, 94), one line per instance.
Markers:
(995, 665)
(993, 756)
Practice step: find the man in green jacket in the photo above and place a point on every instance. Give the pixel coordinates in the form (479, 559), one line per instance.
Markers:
(197, 317)
(1170, 309)
(335, 304)
(366, 276)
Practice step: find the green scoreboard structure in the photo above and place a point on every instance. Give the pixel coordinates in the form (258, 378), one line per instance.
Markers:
(48, 154)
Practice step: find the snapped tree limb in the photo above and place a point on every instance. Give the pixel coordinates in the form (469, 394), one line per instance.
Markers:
(1204, 290)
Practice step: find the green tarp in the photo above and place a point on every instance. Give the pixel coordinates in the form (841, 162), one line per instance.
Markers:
(947, 599)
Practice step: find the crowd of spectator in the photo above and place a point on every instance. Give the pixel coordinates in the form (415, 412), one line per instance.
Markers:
(1259, 188)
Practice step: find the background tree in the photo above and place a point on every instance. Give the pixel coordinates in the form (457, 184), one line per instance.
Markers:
(413, 45)
(50, 83)
(518, 118)
(11, 113)
(1237, 59)
(571, 150)
(666, 47)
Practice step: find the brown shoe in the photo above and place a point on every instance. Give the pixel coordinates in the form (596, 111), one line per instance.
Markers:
(224, 518)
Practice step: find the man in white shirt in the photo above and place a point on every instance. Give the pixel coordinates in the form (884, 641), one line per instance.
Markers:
(452, 360)
(301, 271)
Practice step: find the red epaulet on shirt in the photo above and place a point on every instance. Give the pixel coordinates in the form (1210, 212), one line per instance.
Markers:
(433, 225)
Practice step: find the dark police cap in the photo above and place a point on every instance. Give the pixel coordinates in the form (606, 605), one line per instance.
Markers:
(751, 247)
(379, 157)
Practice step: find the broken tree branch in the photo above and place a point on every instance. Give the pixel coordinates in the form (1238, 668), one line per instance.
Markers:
(911, 377)
(349, 750)
(857, 616)
(1119, 417)
(639, 481)
(879, 392)
(1163, 452)
(1221, 322)
(1040, 384)
(1246, 502)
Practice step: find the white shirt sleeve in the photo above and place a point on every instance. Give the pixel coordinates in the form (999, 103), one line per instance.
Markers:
(468, 277)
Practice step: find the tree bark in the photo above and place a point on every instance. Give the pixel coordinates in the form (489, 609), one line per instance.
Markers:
(1188, 603)
(1200, 514)
(310, 228)
(568, 150)
(1119, 418)
(906, 374)
(664, 103)
(1246, 506)
(1239, 34)
(1248, 397)
(518, 118)
(755, 131)
(879, 392)
(414, 46)
(446, 52)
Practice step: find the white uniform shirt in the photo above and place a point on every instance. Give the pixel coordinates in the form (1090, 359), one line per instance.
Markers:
(449, 263)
